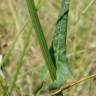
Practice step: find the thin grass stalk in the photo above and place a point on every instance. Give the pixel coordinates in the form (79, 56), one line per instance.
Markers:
(20, 62)
(41, 38)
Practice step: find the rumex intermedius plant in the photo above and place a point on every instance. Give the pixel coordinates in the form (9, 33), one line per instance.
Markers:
(58, 70)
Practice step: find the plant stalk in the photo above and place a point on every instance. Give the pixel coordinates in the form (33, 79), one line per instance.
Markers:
(41, 38)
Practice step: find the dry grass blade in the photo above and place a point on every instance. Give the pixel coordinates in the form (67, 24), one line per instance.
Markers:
(73, 84)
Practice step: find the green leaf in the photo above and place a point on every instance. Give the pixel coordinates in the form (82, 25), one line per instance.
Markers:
(59, 44)
(40, 83)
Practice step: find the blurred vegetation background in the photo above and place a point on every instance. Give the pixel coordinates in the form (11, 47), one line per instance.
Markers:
(81, 41)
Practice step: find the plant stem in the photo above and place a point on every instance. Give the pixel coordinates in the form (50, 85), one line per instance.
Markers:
(20, 61)
(73, 84)
(41, 38)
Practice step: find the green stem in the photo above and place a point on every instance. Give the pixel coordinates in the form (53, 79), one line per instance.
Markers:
(41, 38)
(20, 62)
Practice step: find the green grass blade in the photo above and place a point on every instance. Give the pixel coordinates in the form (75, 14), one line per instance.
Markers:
(41, 38)
(20, 61)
